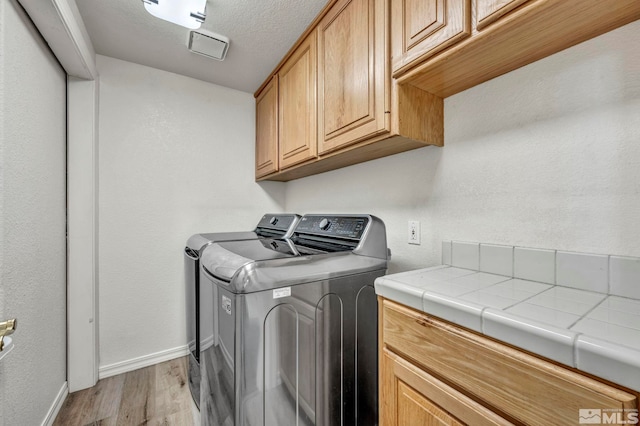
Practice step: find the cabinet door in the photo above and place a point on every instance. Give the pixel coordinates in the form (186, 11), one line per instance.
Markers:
(488, 11)
(353, 82)
(410, 396)
(297, 105)
(421, 28)
(267, 129)
(415, 409)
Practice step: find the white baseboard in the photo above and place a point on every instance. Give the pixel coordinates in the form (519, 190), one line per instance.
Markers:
(206, 343)
(142, 361)
(56, 406)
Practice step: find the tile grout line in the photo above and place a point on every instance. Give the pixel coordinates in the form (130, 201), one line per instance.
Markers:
(482, 319)
(609, 274)
(575, 349)
(555, 267)
(513, 261)
(531, 297)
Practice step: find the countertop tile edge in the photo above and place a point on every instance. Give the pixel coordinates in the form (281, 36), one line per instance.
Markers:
(466, 314)
(542, 339)
(608, 360)
(399, 292)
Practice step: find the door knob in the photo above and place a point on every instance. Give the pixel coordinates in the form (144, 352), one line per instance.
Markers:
(7, 328)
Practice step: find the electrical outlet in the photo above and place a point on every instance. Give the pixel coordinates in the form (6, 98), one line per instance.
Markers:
(414, 232)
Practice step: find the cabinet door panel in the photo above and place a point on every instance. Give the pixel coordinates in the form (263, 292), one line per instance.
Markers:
(414, 409)
(421, 28)
(423, 18)
(351, 73)
(488, 11)
(297, 105)
(267, 129)
(347, 45)
(411, 396)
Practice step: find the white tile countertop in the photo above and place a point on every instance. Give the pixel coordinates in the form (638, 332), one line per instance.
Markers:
(585, 327)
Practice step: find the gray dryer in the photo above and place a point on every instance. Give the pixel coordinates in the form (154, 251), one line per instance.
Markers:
(269, 226)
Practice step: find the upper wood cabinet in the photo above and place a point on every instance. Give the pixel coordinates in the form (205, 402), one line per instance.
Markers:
(506, 35)
(336, 103)
(297, 105)
(421, 28)
(488, 11)
(267, 129)
(351, 73)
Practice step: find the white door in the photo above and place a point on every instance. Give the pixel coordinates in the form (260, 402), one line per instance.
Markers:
(32, 220)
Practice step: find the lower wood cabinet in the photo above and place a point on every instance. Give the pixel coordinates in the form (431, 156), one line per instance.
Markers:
(433, 372)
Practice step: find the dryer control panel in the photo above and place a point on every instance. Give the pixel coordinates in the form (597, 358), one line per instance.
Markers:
(351, 227)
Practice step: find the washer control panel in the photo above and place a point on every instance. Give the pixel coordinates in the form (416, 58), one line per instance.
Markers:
(333, 226)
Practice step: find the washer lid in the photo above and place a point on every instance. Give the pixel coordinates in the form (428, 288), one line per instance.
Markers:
(278, 225)
(222, 260)
(198, 241)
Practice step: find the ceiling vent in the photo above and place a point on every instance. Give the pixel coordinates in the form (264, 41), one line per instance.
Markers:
(208, 44)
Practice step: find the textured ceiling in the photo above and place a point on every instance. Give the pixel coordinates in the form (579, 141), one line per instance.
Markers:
(261, 32)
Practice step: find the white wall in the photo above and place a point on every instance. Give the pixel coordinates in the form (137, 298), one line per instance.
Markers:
(176, 158)
(545, 156)
(32, 203)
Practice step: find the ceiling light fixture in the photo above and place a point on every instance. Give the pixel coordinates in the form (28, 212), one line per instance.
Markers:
(187, 13)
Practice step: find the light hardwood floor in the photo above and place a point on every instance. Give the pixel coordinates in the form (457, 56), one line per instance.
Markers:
(155, 395)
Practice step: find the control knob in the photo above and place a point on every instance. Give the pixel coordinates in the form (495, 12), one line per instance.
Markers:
(273, 220)
(324, 224)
